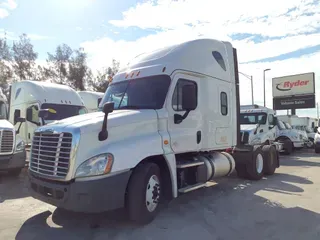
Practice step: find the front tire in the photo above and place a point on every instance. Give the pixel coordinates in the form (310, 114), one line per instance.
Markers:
(144, 193)
(256, 166)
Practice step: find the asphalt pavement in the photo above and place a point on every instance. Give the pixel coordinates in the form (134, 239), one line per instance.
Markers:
(283, 206)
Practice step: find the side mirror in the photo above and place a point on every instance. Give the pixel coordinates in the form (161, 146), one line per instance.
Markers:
(29, 114)
(17, 113)
(189, 97)
(108, 107)
(21, 120)
(315, 129)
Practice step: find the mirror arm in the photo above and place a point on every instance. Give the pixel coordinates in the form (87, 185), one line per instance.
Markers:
(18, 131)
(178, 118)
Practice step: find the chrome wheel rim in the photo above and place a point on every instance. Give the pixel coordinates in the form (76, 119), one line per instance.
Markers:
(259, 163)
(152, 193)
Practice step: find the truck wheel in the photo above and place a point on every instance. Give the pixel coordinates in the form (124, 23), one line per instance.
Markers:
(270, 159)
(255, 167)
(144, 193)
(311, 143)
(241, 170)
(288, 146)
(15, 172)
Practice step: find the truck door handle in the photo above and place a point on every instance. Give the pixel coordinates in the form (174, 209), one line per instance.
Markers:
(198, 137)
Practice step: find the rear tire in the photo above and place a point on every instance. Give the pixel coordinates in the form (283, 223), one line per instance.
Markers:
(144, 193)
(256, 166)
(270, 159)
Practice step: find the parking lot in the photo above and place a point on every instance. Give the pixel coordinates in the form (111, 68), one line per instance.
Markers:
(283, 206)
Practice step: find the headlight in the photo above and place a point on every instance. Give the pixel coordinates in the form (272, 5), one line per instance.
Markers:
(20, 146)
(256, 141)
(98, 165)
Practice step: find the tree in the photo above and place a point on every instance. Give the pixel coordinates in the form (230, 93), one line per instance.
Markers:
(101, 83)
(5, 67)
(58, 64)
(24, 57)
(79, 72)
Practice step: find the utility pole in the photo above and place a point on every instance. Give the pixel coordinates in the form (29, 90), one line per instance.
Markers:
(251, 79)
(264, 86)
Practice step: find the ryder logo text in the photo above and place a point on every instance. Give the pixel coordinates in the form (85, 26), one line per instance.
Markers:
(287, 86)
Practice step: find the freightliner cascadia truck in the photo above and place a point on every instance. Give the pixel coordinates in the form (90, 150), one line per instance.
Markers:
(175, 128)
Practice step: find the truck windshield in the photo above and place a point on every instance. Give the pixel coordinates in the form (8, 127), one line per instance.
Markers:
(3, 110)
(63, 111)
(141, 93)
(253, 118)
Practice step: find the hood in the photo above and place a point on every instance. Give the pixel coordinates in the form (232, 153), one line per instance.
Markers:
(248, 127)
(6, 124)
(94, 120)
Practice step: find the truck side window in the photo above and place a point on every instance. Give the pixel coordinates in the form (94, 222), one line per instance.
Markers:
(224, 103)
(218, 57)
(177, 95)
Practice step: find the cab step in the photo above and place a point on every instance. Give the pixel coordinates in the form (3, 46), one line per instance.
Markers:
(189, 164)
(192, 187)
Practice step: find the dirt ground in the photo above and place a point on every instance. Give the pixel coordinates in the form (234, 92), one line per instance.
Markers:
(283, 206)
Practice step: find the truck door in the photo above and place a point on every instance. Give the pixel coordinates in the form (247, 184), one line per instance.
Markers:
(185, 136)
(272, 131)
(33, 120)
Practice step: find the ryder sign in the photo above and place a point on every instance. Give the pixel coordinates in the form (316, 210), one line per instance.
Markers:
(301, 84)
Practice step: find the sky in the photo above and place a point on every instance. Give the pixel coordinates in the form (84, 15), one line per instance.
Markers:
(281, 35)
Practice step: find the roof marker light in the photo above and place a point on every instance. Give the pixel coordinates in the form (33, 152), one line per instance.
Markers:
(138, 73)
(163, 69)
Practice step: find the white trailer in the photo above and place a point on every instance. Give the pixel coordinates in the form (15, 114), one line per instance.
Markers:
(27, 98)
(12, 147)
(163, 141)
(91, 99)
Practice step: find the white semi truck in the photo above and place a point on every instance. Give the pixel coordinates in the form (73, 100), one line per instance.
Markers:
(258, 124)
(91, 99)
(162, 141)
(305, 124)
(27, 98)
(12, 147)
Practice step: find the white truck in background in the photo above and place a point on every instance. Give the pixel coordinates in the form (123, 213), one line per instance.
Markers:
(29, 98)
(12, 147)
(162, 141)
(91, 99)
(304, 124)
(258, 125)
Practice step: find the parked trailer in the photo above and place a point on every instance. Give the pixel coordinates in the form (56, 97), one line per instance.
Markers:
(27, 98)
(91, 99)
(165, 140)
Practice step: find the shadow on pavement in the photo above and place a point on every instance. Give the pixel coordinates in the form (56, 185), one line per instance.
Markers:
(13, 187)
(232, 209)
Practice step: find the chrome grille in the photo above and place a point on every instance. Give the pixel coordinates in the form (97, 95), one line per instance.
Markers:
(50, 154)
(7, 142)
